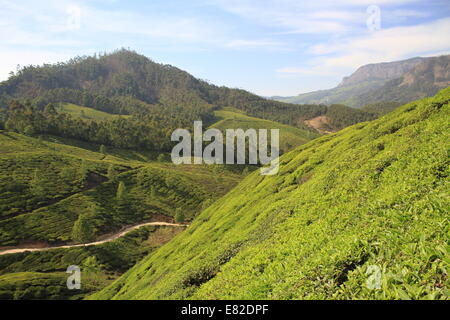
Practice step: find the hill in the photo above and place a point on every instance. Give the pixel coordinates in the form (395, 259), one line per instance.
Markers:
(57, 191)
(373, 196)
(398, 81)
(86, 113)
(55, 185)
(229, 118)
(158, 98)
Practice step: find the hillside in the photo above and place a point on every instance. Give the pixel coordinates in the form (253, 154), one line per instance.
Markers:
(125, 82)
(424, 80)
(53, 181)
(229, 118)
(157, 98)
(374, 194)
(86, 113)
(41, 275)
(398, 81)
(57, 191)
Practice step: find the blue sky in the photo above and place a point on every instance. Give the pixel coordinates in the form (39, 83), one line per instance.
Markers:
(277, 47)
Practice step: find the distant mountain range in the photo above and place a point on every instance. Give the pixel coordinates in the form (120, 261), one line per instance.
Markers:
(399, 81)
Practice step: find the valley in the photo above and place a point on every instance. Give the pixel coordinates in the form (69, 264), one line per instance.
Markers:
(87, 179)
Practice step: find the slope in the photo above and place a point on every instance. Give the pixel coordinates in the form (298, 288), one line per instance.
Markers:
(374, 194)
(160, 96)
(47, 186)
(86, 113)
(290, 137)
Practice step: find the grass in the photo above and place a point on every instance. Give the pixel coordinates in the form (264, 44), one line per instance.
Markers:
(87, 113)
(374, 194)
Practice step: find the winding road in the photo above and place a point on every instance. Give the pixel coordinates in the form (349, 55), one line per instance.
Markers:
(108, 239)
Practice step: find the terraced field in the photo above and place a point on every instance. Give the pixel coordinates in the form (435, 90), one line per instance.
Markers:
(372, 196)
(290, 137)
(51, 186)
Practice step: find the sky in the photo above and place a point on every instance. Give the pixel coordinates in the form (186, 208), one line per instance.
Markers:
(269, 47)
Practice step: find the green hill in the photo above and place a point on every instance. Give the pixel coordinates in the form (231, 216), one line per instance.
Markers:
(158, 98)
(86, 113)
(290, 137)
(40, 275)
(50, 184)
(372, 196)
(46, 186)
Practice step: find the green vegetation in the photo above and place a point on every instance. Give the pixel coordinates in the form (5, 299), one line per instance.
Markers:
(179, 215)
(40, 286)
(138, 103)
(57, 190)
(341, 116)
(381, 108)
(84, 154)
(41, 275)
(82, 230)
(289, 136)
(86, 113)
(374, 194)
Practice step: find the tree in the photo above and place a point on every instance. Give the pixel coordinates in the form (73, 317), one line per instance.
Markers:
(161, 157)
(179, 215)
(93, 268)
(29, 131)
(92, 265)
(121, 191)
(112, 172)
(82, 231)
(83, 172)
(103, 149)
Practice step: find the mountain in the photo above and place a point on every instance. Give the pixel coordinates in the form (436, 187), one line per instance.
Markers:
(400, 81)
(424, 80)
(370, 199)
(380, 72)
(161, 97)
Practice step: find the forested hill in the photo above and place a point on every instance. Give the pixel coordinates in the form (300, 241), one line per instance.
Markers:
(125, 82)
(374, 195)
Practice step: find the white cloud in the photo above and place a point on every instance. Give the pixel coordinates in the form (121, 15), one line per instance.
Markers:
(382, 46)
(391, 44)
(306, 17)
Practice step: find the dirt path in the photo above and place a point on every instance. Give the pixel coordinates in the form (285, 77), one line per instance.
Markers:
(108, 239)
